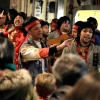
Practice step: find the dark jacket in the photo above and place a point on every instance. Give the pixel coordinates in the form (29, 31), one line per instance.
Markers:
(60, 93)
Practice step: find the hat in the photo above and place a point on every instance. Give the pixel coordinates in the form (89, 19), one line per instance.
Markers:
(85, 25)
(61, 20)
(22, 14)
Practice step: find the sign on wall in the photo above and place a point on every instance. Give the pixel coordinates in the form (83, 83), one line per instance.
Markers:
(37, 10)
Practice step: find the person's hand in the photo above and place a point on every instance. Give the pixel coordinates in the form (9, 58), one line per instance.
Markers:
(2, 14)
(67, 42)
(64, 44)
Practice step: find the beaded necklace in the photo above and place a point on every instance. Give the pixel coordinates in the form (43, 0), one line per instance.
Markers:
(83, 51)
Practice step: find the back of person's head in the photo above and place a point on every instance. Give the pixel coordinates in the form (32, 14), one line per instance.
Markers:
(62, 20)
(68, 69)
(45, 84)
(93, 21)
(87, 88)
(84, 26)
(30, 22)
(6, 52)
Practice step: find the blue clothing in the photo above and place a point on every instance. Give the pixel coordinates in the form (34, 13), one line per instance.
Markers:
(97, 37)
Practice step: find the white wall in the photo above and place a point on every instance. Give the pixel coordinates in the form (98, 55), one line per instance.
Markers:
(84, 14)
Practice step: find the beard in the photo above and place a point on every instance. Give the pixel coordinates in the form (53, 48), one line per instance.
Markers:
(45, 35)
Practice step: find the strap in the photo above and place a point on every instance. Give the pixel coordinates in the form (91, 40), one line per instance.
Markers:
(95, 60)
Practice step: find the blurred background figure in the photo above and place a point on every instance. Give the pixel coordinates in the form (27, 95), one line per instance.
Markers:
(96, 37)
(3, 15)
(75, 29)
(16, 33)
(53, 25)
(11, 16)
(63, 27)
(14, 84)
(87, 88)
(45, 31)
(86, 2)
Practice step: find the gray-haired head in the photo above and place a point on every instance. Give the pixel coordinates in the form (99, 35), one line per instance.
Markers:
(68, 69)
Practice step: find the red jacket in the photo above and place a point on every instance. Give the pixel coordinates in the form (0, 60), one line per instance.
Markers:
(16, 35)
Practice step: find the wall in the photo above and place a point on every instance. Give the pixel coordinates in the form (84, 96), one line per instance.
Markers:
(25, 6)
(60, 8)
(45, 14)
(84, 14)
(30, 9)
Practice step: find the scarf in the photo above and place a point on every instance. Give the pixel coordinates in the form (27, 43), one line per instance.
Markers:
(10, 66)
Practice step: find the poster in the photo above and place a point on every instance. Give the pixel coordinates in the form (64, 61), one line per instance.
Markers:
(37, 10)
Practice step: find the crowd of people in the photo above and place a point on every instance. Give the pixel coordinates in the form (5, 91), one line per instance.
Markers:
(30, 68)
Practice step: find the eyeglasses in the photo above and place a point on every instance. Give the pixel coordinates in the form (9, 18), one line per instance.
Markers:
(66, 22)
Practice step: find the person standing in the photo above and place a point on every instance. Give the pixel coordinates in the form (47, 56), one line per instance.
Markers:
(84, 47)
(63, 26)
(16, 33)
(33, 52)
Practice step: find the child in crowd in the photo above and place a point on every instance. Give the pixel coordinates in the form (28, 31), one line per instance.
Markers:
(45, 85)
